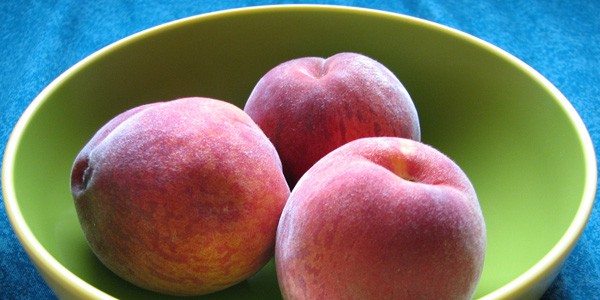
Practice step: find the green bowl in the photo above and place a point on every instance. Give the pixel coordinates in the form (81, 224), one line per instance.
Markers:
(522, 144)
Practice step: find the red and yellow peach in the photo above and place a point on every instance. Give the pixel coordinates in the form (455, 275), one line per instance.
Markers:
(310, 106)
(180, 197)
(381, 218)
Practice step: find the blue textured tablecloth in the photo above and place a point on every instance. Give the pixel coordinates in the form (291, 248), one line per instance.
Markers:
(41, 39)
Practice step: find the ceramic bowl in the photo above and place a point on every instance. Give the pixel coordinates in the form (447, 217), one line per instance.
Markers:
(520, 141)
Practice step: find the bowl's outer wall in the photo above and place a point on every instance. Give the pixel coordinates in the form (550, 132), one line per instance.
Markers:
(505, 129)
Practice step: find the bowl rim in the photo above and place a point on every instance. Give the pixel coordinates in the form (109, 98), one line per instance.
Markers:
(47, 265)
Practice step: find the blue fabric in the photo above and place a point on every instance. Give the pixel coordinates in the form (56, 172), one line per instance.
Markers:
(41, 39)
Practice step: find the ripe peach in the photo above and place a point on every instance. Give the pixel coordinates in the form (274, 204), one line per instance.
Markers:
(180, 197)
(381, 218)
(310, 106)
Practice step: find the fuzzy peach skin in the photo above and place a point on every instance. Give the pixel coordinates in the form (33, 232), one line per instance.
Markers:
(381, 218)
(310, 106)
(180, 197)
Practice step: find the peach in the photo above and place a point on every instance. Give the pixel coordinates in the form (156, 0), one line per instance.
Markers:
(381, 218)
(180, 197)
(309, 106)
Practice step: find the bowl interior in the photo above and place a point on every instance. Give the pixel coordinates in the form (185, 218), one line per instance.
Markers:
(504, 127)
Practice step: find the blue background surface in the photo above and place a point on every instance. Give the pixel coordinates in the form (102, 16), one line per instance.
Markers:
(41, 39)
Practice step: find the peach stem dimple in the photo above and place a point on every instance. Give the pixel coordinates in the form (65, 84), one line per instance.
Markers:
(323, 68)
(315, 71)
(82, 172)
(400, 169)
(87, 174)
